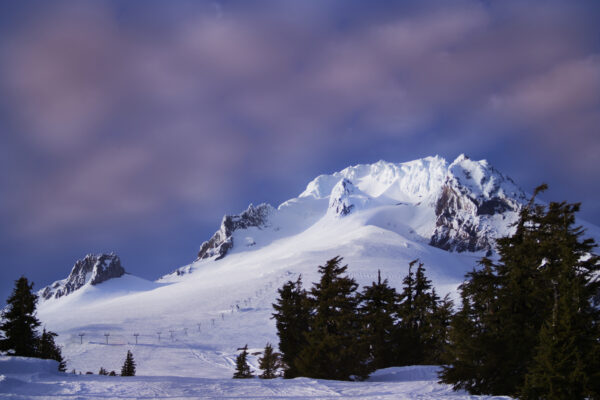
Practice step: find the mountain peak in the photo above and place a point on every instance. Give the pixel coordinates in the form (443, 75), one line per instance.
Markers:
(459, 206)
(222, 241)
(93, 269)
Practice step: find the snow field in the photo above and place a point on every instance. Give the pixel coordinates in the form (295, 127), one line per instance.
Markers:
(29, 379)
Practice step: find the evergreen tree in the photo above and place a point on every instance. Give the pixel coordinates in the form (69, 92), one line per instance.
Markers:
(378, 312)
(336, 348)
(19, 321)
(474, 329)
(269, 363)
(543, 287)
(416, 333)
(406, 334)
(102, 371)
(558, 369)
(563, 367)
(242, 369)
(49, 350)
(128, 368)
(292, 314)
(440, 326)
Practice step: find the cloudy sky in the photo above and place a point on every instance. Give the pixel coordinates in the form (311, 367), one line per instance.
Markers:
(133, 126)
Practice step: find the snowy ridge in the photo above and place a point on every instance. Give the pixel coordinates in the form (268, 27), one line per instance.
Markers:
(411, 181)
(461, 206)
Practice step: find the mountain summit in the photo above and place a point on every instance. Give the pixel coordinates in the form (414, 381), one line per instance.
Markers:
(459, 206)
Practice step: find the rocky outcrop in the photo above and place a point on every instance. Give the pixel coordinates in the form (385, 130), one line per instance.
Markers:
(457, 226)
(340, 203)
(222, 241)
(472, 195)
(93, 269)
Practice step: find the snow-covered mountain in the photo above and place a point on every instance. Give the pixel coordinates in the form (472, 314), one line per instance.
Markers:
(377, 217)
(461, 206)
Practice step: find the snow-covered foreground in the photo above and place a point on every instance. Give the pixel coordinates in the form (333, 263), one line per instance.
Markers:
(22, 378)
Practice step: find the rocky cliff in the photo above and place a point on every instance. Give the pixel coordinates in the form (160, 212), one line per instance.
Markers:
(93, 269)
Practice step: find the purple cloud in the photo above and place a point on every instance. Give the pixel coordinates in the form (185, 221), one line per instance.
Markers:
(127, 120)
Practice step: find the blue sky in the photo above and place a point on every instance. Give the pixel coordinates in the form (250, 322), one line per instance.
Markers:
(133, 126)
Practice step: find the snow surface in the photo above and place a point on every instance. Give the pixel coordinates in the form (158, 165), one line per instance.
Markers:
(22, 378)
(191, 326)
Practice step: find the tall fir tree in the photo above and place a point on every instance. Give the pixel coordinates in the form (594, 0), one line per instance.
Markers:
(496, 339)
(242, 369)
(336, 347)
(558, 368)
(49, 350)
(564, 366)
(440, 328)
(405, 333)
(378, 312)
(269, 363)
(128, 368)
(416, 333)
(19, 323)
(292, 315)
(474, 329)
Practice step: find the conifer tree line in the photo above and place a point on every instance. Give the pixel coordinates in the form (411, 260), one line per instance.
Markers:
(335, 331)
(19, 327)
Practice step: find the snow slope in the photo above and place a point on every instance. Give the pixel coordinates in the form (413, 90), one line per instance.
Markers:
(28, 379)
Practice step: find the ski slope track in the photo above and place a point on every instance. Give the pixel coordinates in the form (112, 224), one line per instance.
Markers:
(190, 323)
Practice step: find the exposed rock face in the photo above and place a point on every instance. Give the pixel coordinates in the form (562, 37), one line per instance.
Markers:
(92, 269)
(340, 202)
(473, 193)
(456, 228)
(222, 241)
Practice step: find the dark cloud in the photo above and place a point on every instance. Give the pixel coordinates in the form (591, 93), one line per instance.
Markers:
(128, 112)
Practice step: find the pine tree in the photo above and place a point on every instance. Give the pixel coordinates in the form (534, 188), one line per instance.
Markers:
(49, 350)
(405, 332)
(378, 311)
(19, 321)
(269, 363)
(558, 369)
(291, 316)
(102, 371)
(511, 308)
(563, 367)
(336, 347)
(415, 333)
(128, 368)
(473, 331)
(440, 327)
(242, 369)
